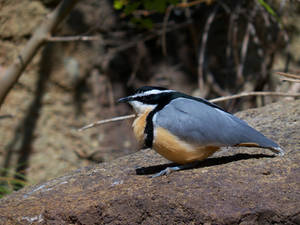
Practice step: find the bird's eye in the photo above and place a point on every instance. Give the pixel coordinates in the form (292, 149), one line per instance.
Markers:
(145, 98)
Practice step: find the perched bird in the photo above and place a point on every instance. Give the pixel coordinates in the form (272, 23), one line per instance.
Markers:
(185, 129)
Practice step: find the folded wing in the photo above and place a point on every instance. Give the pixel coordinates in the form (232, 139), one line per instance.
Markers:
(200, 123)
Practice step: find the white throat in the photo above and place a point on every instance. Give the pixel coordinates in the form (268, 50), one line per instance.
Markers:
(140, 107)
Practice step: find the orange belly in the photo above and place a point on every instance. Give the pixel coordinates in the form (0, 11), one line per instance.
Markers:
(169, 146)
(176, 150)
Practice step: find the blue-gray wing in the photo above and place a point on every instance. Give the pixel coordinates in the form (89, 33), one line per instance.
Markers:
(203, 124)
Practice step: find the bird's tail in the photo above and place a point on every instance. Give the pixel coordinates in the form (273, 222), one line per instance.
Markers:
(274, 147)
(279, 151)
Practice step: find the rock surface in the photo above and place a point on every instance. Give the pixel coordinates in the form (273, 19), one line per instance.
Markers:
(235, 186)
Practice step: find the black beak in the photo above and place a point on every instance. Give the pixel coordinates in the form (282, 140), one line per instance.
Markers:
(126, 99)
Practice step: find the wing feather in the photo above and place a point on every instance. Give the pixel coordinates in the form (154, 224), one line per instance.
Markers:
(203, 124)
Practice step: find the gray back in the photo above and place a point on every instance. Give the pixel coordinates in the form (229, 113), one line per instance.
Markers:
(202, 124)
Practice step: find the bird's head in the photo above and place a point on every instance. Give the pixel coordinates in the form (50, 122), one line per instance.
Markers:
(146, 98)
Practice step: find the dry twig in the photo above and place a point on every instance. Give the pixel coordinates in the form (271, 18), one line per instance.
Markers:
(289, 75)
(107, 121)
(244, 49)
(165, 23)
(38, 38)
(193, 3)
(290, 80)
(254, 93)
(209, 21)
(6, 116)
(220, 99)
(73, 38)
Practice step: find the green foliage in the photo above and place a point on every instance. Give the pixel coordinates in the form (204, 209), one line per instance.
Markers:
(155, 5)
(4, 190)
(118, 4)
(141, 22)
(8, 183)
(269, 9)
(129, 7)
(149, 5)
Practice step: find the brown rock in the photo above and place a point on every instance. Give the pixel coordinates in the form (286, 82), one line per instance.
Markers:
(237, 186)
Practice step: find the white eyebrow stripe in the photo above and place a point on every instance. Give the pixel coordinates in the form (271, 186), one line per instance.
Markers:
(152, 92)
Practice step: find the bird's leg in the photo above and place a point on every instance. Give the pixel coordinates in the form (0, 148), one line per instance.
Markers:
(171, 169)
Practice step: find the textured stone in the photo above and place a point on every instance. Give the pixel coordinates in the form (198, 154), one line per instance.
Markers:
(235, 186)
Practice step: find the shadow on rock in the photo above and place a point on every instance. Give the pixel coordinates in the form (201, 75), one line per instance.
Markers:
(205, 163)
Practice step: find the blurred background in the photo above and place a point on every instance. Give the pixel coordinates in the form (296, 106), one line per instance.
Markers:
(206, 48)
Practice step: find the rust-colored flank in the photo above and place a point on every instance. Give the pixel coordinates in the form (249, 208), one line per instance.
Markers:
(177, 150)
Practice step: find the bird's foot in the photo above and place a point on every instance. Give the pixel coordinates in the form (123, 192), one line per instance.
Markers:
(166, 171)
(171, 169)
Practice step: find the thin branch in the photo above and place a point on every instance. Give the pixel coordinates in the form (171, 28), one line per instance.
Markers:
(38, 38)
(244, 49)
(193, 3)
(6, 116)
(122, 47)
(220, 99)
(201, 59)
(234, 35)
(107, 121)
(290, 80)
(289, 75)
(240, 67)
(165, 23)
(150, 37)
(179, 5)
(73, 38)
(245, 44)
(256, 40)
(254, 93)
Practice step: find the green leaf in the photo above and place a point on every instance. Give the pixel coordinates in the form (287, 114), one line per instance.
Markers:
(4, 190)
(142, 23)
(146, 23)
(155, 5)
(268, 8)
(160, 6)
(118, 4)
(131, 7)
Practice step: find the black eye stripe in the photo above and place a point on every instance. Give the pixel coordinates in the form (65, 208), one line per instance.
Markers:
(153, 99)
(146, 98)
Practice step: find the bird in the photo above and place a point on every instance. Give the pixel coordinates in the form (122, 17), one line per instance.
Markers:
(186, 129)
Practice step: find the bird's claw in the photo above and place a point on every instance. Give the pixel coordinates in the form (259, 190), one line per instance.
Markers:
(166, 171)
